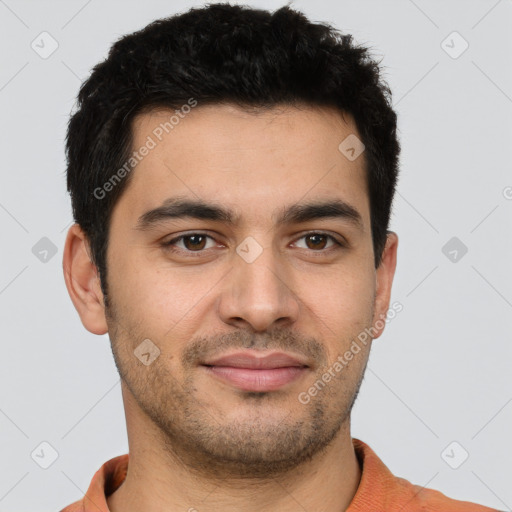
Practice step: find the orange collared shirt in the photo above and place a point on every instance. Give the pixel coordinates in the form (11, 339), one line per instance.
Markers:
(379, 490)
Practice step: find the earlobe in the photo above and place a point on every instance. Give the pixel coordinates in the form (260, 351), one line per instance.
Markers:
(83, 282)
(384, 275)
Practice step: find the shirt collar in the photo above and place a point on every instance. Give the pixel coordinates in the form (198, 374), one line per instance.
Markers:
(373, 493)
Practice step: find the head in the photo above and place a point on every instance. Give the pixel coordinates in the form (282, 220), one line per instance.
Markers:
(228, 127)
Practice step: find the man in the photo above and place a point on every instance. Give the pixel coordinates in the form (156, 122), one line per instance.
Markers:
(231, 173)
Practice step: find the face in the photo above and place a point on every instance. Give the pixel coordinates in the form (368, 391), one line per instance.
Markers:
(240, 304)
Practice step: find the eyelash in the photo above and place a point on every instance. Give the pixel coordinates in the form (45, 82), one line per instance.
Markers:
(169, 245)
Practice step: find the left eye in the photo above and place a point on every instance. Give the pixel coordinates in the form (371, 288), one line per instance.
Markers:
(318, 241)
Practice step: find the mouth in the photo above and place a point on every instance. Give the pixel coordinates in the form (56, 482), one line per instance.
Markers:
(252, 371)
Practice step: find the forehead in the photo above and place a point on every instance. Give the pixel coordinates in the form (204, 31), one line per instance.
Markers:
(256, 161)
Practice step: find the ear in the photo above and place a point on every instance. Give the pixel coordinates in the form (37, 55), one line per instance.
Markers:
(83, 282)
(384, 279)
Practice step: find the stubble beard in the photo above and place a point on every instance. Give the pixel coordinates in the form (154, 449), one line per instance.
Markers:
(259, 447)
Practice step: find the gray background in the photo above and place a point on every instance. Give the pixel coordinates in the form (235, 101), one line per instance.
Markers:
(441, 371)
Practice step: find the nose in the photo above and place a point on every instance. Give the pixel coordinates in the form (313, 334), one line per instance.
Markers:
(259, 293)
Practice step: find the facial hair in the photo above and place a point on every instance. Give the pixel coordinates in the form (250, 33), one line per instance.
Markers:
(262, 444)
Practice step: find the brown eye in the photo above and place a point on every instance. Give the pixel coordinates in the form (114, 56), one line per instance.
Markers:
(316, 241)
(194, 242)
(319, 242)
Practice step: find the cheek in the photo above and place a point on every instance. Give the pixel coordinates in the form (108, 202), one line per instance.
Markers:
(348, 292)
(340, 309)
(166, 303)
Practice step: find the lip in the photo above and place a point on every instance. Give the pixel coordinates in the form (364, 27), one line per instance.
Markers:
(251, 371)
(255, 360)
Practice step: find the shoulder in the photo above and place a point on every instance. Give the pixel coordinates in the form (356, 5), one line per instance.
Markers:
(77, 506)
(380, 490)
(421, 499)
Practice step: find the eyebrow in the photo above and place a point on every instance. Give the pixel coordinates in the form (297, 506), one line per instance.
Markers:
(182, 207)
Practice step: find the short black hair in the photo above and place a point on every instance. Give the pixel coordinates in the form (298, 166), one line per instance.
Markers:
(222, 53)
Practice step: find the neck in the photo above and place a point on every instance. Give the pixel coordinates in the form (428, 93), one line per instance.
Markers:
(157, 480)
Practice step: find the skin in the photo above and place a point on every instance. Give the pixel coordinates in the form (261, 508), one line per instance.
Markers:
(196, 442)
